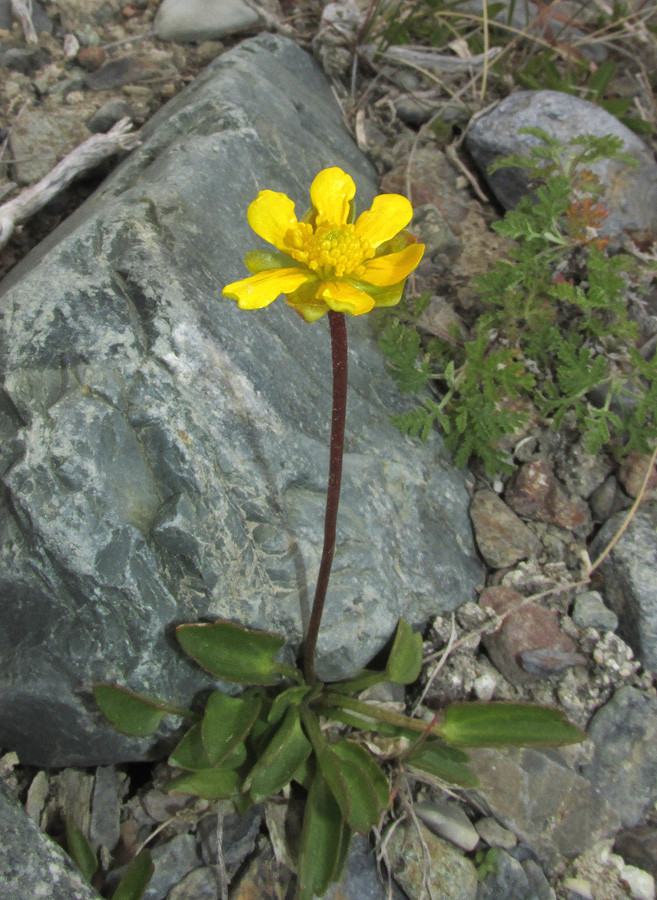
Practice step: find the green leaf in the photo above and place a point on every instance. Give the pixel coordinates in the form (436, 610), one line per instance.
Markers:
(220, 783)
(358, 785)
(234, 653)
(226, 723)
(80, 850)
(405, 660)
(136, 879)
(516, 724)
(282, 758)
(403, 665)
(290, 697)
(128, 712)
(190, 753)
(444, 762)
(325, 839)
(348, 751)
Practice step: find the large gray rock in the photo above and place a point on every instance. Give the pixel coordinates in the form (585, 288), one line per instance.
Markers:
(630, 194)
(630, 579)
(624, 765)
(164, 454)
(554, 810)
(31, 865)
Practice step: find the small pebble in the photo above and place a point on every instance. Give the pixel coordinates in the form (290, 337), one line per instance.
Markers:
(640, 883)
(485, 687)
(590, 611)
(107, 116)
(71, 46)
(448, 820)
(495, 835)
(91, 58)
(547, 661)
(578, 889)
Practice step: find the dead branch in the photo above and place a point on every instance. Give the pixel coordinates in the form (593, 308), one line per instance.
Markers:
(22, 9)
(83, 158)
(410, 55)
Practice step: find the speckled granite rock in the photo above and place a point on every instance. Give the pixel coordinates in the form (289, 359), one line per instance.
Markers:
(164, 455)
(31, 865)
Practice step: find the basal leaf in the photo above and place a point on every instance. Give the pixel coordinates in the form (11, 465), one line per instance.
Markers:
(282, 758)
(325, 839)
(435, 758)
(226, 723)
(129, 713)
(190, 753)
(212, 784)
(80, 850)
(232, 652)
(358, 785)
(403, 666)
(497, 724)
(405, 660)
(348, 751)
(136, 879)
(290, 697)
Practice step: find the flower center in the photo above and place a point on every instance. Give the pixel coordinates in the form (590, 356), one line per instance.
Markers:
(330, 250)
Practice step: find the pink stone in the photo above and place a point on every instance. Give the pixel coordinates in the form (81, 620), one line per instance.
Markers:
(530, 627)
(536, 494)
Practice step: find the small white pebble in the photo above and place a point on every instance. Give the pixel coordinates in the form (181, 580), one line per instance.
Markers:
(578, 889)
(71, 46)
(640, 883)
(484, 687)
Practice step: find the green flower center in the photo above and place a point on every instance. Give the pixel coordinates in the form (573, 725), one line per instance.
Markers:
(332, 251)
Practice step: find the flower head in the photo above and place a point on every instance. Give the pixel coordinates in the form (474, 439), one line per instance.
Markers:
(327, 260)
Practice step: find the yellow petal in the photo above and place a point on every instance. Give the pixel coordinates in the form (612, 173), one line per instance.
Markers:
(331, 192)
(387, 216)
(261, 289)
(343, 297)
(384, 271)
(271, 215)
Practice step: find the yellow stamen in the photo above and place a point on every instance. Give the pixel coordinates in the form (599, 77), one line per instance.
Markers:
(331, 250)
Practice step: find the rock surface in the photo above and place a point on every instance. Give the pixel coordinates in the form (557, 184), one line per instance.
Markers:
(630, 194)
(528, 635)
(624, 765)
(513, 880)
(32, 865)
(164, 454)
(424, 863)
(554, 810)
(502, 537)
(630, 580)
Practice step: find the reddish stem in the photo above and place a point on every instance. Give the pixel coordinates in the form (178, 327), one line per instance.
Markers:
(339, 358)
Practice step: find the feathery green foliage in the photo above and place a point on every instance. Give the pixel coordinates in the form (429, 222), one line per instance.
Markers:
(554, 331)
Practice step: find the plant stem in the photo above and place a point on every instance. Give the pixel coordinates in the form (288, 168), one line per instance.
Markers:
(370, 714)
(338, 328)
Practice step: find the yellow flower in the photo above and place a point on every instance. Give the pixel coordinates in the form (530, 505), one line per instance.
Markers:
(326, 260)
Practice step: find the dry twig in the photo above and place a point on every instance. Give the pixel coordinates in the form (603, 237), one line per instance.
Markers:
(87, 155)
(22, 9)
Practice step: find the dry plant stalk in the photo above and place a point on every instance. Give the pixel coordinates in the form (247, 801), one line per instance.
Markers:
(83, 158)
(22, 9)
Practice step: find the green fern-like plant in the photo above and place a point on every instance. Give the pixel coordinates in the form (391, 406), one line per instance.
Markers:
(554, 330)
